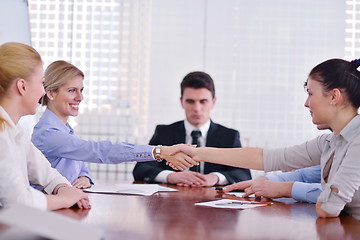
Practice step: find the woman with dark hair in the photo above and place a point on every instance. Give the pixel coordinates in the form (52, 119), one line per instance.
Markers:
(333, 89)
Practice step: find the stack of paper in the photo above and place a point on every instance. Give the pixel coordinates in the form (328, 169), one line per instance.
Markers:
(137, 189)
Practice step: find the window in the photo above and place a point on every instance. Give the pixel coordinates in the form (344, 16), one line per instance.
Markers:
(135, 53)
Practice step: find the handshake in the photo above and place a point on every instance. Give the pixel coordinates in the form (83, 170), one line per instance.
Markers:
(180, 156)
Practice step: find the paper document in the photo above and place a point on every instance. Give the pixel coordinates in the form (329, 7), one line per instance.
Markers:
(22, 219)
(137, 189)
(234, 204)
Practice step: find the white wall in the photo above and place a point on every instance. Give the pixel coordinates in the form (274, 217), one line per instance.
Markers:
(15, 27)
(259, 54)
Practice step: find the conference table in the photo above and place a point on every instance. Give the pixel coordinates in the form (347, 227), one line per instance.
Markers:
(173, 215)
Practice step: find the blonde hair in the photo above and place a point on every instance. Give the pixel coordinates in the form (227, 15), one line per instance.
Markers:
(17, 60)
(57, 74)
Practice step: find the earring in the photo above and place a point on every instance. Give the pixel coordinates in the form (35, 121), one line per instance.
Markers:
(331, 102)
(51, 98)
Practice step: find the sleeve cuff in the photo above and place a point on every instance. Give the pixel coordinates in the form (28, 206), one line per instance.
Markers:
(299, 191)
(40, 200)
(332, 203)
(162, 176)
(50, 188)
(274, 177)
(87, 176)
(222, 179)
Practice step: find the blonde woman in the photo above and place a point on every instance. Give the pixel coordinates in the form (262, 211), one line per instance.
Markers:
(21, 163)
(64, 86)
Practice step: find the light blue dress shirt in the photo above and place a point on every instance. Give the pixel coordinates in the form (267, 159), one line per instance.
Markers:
(68, 153)
(307, 187)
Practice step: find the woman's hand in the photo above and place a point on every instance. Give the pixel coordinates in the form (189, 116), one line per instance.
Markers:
(176, 158)
(82, 182)
(65, 196)
(262, 187)
(72, 196)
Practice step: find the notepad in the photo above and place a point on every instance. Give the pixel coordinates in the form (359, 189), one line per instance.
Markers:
(136, 189)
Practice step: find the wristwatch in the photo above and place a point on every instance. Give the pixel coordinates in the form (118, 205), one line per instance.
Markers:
(157, 153)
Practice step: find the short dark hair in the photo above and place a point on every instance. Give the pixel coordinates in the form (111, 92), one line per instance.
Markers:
(198, 80)
(341, 74)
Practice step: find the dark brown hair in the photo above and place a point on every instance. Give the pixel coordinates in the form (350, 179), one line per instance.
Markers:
(341, 74)
(198, 80)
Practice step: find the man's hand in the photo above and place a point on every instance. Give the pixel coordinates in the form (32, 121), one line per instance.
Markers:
(262, 187)
(192, 179)
(211, 180)
(186, 179)
(82, 182)
(178, 161)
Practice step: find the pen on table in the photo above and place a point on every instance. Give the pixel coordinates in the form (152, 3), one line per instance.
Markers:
(221, 189)
(244, 203)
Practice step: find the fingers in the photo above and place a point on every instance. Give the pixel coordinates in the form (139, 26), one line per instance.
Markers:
(186, 179)
(77, 184)
(81, 183)
(175, 149)
(196, 181)
(248, 191)
(181, 161)
(190, 184)
(239, 185)
(83, 203)
(253, 190)
(180, 165)
(199, 176)
(171, 165)
(190, 160)
(185, 148)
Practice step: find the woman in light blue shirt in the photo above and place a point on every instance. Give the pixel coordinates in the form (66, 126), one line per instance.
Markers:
(55, 138)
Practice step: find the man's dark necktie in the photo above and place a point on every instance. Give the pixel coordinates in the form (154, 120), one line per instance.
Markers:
(195, 135)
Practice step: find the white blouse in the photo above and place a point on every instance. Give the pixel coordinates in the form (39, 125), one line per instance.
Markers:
(22, 164)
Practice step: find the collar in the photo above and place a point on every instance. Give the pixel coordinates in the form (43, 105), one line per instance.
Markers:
(51, 117)
(348, 133)
(352, 129)
(8, 119)
(203, 129)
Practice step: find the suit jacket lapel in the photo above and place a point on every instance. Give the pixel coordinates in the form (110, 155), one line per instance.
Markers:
(211, 139)
(180, 133)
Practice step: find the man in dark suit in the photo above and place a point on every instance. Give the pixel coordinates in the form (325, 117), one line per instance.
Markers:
(197, 99)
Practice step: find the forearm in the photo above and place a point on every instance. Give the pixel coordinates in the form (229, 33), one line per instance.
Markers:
(55, 202)
(238, 157)
(287, 189)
